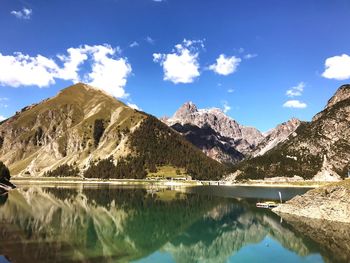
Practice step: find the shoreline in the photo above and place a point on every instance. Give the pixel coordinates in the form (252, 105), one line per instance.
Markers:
(145, 182)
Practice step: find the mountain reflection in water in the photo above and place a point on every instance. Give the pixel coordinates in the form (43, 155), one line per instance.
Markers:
(123, 224)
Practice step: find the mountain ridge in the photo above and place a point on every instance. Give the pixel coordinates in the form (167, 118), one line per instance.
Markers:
(223, 138)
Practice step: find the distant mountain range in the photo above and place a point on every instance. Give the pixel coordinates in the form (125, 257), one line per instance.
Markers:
(223, 138)
(84, 131)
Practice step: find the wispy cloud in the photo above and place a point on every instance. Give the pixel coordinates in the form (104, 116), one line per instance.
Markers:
(133, 106)
(230, 90)
(134, 44)
(181, 66)
(337, 67)
(250, 56)
(25, 13)
(225, 107)
(296, 90)
(3, 103)
(225, 65)
(150, 40)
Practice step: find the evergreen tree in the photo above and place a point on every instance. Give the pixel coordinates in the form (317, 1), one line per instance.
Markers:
(4, 172)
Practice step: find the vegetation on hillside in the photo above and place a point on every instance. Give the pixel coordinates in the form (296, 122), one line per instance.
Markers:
(98, 131)
(279, 163)
(158, 145)
(4, 173)
(63, 170)
(126, 168)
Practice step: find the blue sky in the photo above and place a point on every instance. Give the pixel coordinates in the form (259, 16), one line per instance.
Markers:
(241, 56)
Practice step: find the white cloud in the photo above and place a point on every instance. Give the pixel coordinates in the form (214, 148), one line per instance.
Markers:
(250, 56)
(107, 71)
(182, 65)
(158, 1)
(23, 70)
(25, 13)
(296, 90)
(134, 44)
(295, 104)
(133, 105)
(230, 90)
(225, 107)
(337, 67)
(150, 40)
(76, 56)
(225, 65)
(2, 118)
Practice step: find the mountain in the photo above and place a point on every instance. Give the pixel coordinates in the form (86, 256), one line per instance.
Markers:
(216, 134)
(318, 150)
(210, 142)
(245, 138)
(84, 130)
(276, 135)
(222, 138)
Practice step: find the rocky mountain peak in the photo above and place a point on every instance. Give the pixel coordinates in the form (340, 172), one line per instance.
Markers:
(185, 110)
(293, 121)
(277, 135)
(341, 94)
(242, 138)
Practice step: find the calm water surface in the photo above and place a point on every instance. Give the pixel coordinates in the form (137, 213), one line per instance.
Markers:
(132, 224)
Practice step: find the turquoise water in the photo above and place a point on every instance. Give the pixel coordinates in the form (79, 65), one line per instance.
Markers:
(131, 224)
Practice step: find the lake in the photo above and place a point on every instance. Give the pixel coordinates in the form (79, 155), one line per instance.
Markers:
(134, 224)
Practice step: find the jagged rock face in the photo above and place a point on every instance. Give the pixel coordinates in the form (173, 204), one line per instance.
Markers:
(343, 93)
(210, 142)
(276, 136)
(61, 130)
(326, 137)
(244, 138)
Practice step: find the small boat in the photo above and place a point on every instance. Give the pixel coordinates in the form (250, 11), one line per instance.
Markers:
(267, 204)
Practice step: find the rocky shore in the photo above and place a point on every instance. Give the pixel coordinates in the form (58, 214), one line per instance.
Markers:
(330, 202)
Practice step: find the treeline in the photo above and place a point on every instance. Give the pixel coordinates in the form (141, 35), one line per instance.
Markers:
(279, 162)
(4, 173)
(63, 170)
(157, 144)
(99, 129)
(5, 176)
(126, 168)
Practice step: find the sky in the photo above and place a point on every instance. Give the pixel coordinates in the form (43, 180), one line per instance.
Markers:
(261, 62)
